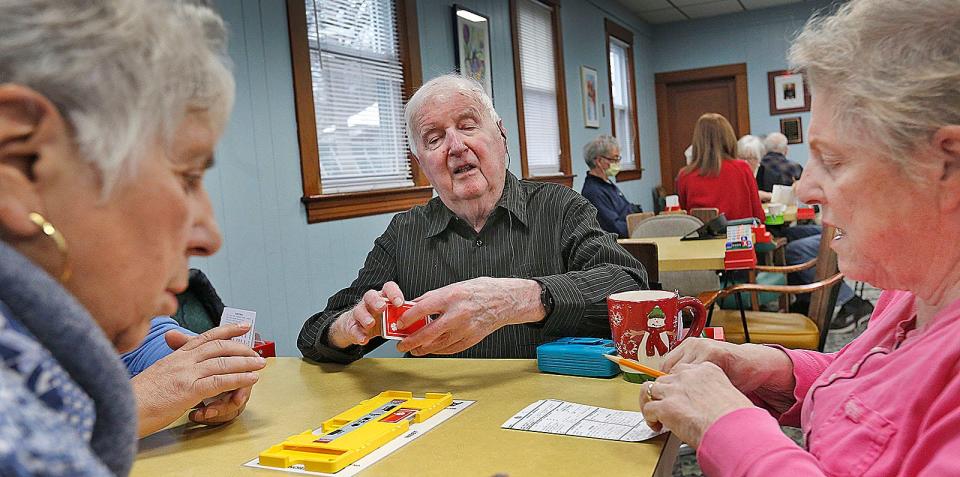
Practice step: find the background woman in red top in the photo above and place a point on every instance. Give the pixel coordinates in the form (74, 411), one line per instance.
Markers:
(715, 178)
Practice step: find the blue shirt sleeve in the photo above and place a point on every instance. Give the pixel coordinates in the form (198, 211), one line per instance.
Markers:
(154, 347)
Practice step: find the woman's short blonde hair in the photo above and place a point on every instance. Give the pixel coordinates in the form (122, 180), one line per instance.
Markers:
(891, 69)
(713, 141)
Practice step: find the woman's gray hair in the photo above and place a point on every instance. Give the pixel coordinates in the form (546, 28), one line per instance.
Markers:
(448, 83)
(750, 147)
(123, 73)
(600, 146)
(891, 69)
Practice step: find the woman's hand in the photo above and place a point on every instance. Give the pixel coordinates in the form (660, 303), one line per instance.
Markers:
(200, 367)
(689, 400)
(749, 367)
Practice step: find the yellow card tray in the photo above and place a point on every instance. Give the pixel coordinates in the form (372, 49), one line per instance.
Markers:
(352, 434)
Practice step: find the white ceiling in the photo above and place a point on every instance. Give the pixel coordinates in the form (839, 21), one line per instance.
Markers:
(663, 11)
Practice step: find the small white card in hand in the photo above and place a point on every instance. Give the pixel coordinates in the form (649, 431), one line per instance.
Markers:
(236, 316)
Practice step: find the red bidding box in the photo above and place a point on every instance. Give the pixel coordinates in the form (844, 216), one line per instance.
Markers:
(714, 333)
(265, 349)
(740, 259)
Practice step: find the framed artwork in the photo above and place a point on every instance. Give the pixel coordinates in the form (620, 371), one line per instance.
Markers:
(789, 92)
(588, 84)
(473, 46)
(791, 128)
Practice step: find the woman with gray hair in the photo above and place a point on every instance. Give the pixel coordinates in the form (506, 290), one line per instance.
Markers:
(109, 113)
(750, 148)
(602, 156)
(885, 167)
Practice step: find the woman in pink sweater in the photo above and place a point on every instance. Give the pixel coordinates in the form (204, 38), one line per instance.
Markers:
(885, 167)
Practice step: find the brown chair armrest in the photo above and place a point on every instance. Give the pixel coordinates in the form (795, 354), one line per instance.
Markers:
(788, 268)
(708, 297)
(794, 289)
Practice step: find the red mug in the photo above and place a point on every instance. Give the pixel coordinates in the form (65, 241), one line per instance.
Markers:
(646, 325)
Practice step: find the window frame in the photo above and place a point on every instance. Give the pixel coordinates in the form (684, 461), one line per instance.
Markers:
(566, 168)
(325, 207)
(613, 29)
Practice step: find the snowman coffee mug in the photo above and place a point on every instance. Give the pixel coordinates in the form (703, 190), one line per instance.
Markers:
(646, 325)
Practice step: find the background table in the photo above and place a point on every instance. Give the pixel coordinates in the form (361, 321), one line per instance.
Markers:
(294, 395)
(674, 255)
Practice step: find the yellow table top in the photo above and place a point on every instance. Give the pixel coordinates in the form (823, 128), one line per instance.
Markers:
(675, 255)
(294, 395)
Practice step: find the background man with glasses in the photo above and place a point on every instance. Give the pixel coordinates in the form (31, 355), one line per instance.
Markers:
(602, 156)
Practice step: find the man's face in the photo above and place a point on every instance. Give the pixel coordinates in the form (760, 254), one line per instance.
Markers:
(462, 151)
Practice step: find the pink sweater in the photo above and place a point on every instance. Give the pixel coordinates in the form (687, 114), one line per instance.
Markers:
(886, 404)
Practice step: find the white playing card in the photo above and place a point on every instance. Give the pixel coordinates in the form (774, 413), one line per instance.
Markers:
(236, 316)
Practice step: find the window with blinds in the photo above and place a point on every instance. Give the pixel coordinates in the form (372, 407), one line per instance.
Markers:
(358, 81)
(622, 110)
(538, 71)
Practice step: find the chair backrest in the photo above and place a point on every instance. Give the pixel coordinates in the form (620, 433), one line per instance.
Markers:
(646, 254)
(200, 308)
(705, 214)
(823, 301)
(672, 225)
(659, 199)
(634, 219)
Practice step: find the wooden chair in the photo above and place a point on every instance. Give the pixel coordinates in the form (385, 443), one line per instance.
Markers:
(634, 219)
(646, 254)
(791, 330)
(705, 214)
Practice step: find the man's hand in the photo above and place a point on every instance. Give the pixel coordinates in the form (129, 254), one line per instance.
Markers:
(200, 367)
(689, 400)
(468, 312)
(361, 323)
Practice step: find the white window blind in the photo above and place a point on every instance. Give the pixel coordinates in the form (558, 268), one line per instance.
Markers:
(622, 112)
(538, 77)
(358, 94)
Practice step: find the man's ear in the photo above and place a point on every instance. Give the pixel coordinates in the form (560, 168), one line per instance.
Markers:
(28, 122)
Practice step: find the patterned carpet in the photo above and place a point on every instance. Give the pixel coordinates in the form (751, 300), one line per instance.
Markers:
(687, 462)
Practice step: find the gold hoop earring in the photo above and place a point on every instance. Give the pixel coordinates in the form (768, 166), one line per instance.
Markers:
(50, 231)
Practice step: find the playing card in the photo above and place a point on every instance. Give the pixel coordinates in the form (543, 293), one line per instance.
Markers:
(392, 315)
(236, 316)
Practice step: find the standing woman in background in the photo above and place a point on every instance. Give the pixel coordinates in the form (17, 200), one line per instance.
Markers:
(109, 113)
(715, 178)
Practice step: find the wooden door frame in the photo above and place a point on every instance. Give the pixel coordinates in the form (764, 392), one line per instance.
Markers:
(737, 71)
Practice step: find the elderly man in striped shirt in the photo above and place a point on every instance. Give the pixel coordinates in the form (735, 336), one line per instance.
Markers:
(504, 264)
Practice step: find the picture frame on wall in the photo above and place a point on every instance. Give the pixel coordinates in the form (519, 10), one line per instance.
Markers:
(789, 92)
(588, 86)
(793, 129)
(473, 46)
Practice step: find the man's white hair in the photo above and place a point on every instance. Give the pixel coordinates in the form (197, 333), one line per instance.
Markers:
(891, 69)
(775, 142)
(600, 146)
(750, 147)
(123, 73)
(445, 84)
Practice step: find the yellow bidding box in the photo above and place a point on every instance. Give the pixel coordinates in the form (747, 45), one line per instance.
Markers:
(352, 434)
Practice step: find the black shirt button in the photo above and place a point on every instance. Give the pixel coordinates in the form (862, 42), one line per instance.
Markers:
(479, 242)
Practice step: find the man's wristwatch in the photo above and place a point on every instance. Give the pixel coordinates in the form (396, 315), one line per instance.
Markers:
(546, 299)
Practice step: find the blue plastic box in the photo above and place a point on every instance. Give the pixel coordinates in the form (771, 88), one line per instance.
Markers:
(578, 357)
